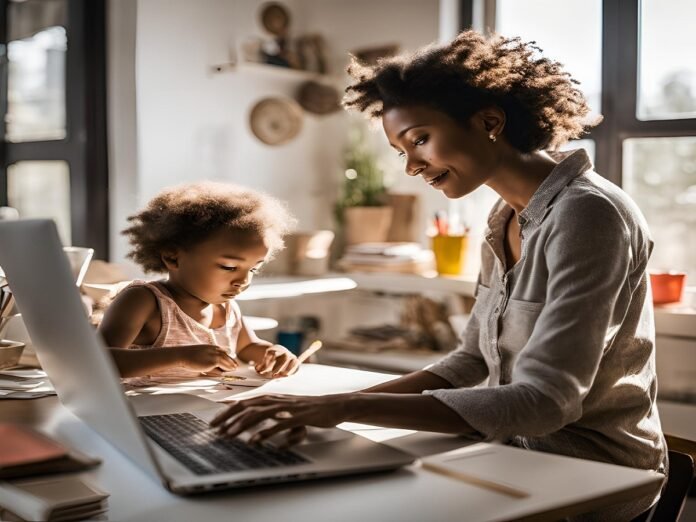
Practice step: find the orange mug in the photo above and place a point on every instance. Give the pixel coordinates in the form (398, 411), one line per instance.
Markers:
(667, 287)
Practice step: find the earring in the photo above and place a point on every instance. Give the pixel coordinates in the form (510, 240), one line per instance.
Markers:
(492, 137)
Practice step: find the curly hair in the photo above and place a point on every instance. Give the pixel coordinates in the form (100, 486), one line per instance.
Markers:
(543, 108)
(185, 215)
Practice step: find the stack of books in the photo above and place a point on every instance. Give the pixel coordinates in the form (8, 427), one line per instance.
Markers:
(410, 258)
(26, 453)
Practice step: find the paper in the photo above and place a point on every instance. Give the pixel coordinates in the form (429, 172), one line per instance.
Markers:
(245, 375)
(24, 384)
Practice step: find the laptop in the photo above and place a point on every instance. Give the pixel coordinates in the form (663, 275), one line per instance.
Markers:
(177, 449)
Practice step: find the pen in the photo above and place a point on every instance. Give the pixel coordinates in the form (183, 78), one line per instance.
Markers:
(311, 350)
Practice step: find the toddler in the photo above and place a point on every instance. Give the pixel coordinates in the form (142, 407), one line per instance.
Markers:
(210, 239)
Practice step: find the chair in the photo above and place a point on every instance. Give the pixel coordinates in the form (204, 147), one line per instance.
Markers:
(671, 503)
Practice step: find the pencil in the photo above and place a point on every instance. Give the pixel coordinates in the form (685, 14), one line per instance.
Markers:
(474, 481)
(311, 350)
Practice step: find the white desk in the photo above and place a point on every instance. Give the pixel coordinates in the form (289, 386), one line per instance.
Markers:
(410, 494)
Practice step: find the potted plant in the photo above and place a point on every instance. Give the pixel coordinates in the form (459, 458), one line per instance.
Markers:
(362, 207)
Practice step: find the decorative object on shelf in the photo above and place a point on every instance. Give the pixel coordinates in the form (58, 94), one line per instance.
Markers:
(667, 287)
(305, 254)
(367, 224)
(275, 18)
(276, 120)
(405, 217)
(362, 207)
(311, 53)
(370, 55)
(450, 253)
(409, 258)
(318, 98)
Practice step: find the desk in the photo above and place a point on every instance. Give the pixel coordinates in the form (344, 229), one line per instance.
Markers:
(409, 494)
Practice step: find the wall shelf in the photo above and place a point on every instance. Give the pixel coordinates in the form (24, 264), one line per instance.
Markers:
(274, 71)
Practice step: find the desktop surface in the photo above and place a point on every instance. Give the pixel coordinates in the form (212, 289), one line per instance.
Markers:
(410, 493)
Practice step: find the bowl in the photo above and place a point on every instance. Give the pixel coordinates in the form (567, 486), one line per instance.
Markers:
(667, 287)
(10, 352)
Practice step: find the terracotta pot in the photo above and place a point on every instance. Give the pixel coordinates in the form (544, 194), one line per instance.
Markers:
(667, 287)
(367, 224)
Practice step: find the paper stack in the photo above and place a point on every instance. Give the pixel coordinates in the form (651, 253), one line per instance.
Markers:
(54, 499)
(26, 453)
(409, 258)
(24, 384)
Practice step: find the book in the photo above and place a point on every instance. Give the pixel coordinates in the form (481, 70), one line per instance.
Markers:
(25, 451)
(55, 499)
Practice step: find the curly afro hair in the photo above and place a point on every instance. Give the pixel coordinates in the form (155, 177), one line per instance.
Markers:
(543, 108)
(185, 215)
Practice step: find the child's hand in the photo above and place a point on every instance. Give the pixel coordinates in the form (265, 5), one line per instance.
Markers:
(277, 361)
(205, 357)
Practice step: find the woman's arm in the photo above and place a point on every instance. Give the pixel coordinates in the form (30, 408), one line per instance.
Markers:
(410, 411)
(414, 382)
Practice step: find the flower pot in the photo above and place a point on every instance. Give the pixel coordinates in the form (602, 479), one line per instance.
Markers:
(367, 224)
(667, 287)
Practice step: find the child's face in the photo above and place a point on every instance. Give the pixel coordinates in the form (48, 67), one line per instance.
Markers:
(221, 267)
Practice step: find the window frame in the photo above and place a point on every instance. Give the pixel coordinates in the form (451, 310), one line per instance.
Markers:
(84, 147)
(619, 97)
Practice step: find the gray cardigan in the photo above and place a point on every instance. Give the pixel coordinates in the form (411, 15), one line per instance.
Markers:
(566, 337)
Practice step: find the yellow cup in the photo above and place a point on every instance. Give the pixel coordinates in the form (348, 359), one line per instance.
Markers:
(450, 252)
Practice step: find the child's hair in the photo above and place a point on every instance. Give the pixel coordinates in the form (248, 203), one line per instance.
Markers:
(184, 215)
(543, 107)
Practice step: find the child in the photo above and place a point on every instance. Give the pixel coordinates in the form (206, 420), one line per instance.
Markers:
(211, 239)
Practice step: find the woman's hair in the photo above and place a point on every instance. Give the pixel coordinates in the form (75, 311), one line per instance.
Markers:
(543, 108)
(184, 215)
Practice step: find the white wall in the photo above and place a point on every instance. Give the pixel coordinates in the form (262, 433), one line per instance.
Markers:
(192, 124)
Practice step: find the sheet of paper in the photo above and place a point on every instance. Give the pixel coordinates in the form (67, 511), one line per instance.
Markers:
(245, 375)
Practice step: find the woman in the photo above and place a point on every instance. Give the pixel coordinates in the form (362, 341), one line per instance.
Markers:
(562, 329)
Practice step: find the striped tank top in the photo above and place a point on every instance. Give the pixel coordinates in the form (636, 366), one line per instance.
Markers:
(178, 329)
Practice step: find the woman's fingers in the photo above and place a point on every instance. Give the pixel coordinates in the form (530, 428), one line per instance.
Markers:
(295, 436)
(247, 419)
(281, 425)
(236, 407)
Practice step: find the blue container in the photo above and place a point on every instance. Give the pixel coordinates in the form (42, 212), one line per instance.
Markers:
(292, 340)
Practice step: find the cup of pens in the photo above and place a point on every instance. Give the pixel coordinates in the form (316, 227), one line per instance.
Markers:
(449, 246)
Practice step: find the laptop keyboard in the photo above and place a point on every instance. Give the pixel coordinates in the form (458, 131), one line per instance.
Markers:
(191, 441)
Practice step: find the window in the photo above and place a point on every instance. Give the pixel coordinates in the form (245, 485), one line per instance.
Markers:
(631, 58)
(53, 116)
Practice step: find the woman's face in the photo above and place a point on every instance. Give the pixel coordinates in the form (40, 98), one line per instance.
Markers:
(449, 157)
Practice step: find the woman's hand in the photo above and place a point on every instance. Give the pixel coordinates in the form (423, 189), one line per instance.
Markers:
(290, 412)
(272, 361)
(204, 358)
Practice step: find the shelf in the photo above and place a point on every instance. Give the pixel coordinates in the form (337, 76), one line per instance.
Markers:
(413, 283)
(675, 320)
(275, 71)
(268, 287)
(281, 287)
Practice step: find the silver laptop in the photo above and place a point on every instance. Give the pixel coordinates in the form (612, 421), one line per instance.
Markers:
(176, 449)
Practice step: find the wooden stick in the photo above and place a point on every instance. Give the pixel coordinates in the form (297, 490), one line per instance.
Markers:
(313, 348)
(475, 481)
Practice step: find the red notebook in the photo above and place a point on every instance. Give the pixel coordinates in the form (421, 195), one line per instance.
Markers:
(21, 445)
(25, 451)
